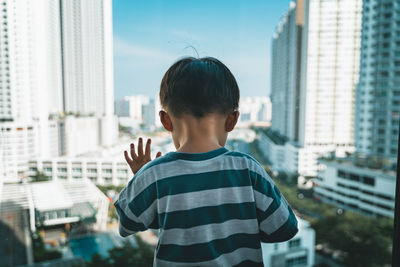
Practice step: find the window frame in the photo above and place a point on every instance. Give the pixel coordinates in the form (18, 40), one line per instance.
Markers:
(396, 232)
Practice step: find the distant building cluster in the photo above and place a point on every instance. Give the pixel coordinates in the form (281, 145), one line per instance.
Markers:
(142, 110)
(56, 101)
(333, 92)
(56, 82)
(138, 110)
(255, 110)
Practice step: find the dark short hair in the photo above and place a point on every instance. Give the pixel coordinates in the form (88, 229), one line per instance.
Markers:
(199, 86)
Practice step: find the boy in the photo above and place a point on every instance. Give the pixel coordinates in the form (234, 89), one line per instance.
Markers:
(212, 206)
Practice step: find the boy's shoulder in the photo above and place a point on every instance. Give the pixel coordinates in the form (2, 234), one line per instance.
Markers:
(158, 168)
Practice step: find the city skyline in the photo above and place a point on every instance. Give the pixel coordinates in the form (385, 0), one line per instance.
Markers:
(149, 36)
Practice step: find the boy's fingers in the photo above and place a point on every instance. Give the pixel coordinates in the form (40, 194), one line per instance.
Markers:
(147, 149)
(158, 154)
(140, 147)
(133, 153)
(127, 158)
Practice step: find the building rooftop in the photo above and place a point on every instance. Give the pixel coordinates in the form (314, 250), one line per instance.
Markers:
(52, 195)
(372, 164)
(274, 136)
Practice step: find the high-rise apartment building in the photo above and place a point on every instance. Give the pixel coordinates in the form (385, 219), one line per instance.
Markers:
(30, 60)
(366, 181)
(378, 93)
(87, 59)
(315, 70)
(285, 72)
(55, 56)
(330, 72)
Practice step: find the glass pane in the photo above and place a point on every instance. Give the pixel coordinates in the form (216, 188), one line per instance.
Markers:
(319, 112)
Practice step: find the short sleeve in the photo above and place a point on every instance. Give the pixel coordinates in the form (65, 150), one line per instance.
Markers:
(137, 207)
(276, 219)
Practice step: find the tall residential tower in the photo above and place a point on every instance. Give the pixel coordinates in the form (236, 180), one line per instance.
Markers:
(315, 69)
(378, 93)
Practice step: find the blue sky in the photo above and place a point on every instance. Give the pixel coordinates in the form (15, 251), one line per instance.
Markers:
(149, 35)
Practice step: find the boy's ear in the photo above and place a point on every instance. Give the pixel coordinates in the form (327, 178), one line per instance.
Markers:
(165, 120)
(231, 121)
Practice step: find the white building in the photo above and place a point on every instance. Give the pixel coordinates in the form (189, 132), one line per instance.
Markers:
(290, 157)
(329, 73)
(378, 93)
(102, 171)
(87, 44)
(285, 72)
(299, 251)
(19, 142)
(351, 184)
(254, 109)
(365, 182)
(102, 166)
(139, 109)
(56, 203)
(56, 56)
(148, 113)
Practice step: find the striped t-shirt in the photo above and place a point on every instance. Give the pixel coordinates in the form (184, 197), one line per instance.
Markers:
(212, 209)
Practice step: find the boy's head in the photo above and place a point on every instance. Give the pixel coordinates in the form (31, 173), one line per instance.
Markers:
(200, 98)
(199, 87)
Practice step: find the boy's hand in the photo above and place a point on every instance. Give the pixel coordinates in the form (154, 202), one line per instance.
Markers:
(136, 161)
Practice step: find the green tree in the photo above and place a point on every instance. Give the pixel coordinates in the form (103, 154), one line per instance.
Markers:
(40, 252)
(39, 177)
(363, 241)
(127, 255)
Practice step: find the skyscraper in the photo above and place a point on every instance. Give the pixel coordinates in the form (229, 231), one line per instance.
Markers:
(30, 81)
(330, 72)
(315, 70)
(365, 182)
(55, 57)
(378, 93)
(285, 72)
(87, 59)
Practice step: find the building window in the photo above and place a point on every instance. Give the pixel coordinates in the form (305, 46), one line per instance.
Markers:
(122, 171)
(107, 170)
(92, 170)
(298, 261)
(341, 174)
(77, 170)
(294, 243)
(369, 181)
(62, 169)
(384, 197)
(354, 177)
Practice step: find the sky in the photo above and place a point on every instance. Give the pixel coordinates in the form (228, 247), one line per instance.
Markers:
(150, 35)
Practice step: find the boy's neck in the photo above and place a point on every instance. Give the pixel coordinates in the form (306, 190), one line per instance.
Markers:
(193, 135)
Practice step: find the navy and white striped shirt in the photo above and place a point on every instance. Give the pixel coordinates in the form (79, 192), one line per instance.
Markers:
(212, 209)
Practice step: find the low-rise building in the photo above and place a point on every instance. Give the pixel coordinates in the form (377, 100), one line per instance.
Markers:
(103, 166)
(25, 207)
(288, 156)
(100, 171)
(299, 251)
(357, 185)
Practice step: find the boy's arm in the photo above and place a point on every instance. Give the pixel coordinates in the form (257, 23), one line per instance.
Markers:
(276, 219)
(136, 203)
(136, 209)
